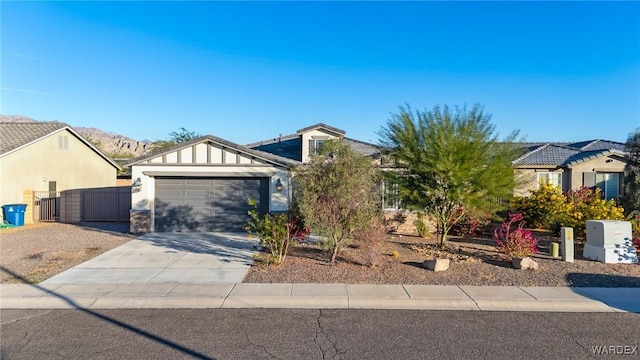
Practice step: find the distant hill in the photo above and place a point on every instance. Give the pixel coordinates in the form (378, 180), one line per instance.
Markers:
(113, 145)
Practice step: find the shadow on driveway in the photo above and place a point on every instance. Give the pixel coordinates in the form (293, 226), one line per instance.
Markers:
(617, 291)
(227, 247)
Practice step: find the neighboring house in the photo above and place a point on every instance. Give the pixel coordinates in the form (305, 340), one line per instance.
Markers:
(595, 163)
(50, 157)
(204, 184)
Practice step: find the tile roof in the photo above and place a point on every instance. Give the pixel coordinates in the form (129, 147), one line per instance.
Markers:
(14, 135)
(566, 154)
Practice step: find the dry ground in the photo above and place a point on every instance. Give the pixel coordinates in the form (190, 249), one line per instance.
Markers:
(35, 252)
(473, 262)
(39, 251)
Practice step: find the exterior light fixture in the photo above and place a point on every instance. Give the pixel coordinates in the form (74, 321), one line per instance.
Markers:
(136, 186)
(279, 185)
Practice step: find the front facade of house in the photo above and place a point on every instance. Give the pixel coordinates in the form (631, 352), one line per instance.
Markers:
(596, 163)
(49, 156)
(205, 184)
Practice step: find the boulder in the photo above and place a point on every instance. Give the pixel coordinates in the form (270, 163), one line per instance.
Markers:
(524, 263)
(436, 264)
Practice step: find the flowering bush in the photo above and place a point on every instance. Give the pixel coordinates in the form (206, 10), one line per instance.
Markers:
(276, 232)
(548, 208)
(543, 206)
(515, 243)
(587, 204)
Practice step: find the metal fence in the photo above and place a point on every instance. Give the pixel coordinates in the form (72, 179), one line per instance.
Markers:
(46, 206)
(106, 204)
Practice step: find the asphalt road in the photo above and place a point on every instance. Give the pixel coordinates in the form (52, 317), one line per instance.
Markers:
(316, 334)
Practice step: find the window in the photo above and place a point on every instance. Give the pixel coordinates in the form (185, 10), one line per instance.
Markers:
(391, 196)
(609, 184)
(553, 178)
(315, 146)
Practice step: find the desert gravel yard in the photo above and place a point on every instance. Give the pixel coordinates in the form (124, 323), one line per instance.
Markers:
(474, 261)
(36, 252)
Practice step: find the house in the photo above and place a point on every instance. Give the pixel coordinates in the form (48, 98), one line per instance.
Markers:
(204, 184)
(594, 163)
(48, 157)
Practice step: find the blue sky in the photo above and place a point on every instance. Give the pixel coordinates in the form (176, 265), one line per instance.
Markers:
(248, 71)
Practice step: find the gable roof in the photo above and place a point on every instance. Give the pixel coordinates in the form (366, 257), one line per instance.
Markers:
(324, 127)
(290, 146)
(567, 154)
(268, 157)
(17, 135)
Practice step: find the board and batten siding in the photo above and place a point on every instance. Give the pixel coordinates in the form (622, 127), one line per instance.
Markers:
(208, 160)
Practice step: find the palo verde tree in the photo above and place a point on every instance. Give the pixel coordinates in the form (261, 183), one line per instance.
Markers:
(337, 194)
(631, 199)
(175, 137)
(454, 162)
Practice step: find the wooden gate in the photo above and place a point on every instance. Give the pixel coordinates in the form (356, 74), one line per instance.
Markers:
(46, 206)
(106, 204)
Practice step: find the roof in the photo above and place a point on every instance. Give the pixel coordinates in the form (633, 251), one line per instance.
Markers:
(322, 126)
(269, 157)
(566, 154)
(16, 135)
(290, 146)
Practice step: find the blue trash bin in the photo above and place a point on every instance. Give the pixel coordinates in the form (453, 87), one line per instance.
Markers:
(14, 213)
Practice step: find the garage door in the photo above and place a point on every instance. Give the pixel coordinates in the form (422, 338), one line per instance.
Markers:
(207, 204)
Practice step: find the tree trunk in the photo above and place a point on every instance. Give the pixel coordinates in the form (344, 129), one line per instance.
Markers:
(334, 253)
(443, 237)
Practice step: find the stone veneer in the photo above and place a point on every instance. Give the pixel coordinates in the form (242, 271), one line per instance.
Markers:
(140, 221)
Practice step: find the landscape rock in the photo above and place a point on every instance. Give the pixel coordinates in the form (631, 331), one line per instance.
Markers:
(525, 263)
(436, 264)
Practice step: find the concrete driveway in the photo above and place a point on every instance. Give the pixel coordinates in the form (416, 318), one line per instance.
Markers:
(203, 258)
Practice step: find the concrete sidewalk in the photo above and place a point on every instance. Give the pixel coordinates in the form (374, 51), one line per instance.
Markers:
(318, 296)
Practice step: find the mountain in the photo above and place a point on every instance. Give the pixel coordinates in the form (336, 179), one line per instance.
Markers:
(113, 145)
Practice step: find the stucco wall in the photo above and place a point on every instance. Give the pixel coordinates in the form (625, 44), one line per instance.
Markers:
(602, 164)
(72, 166)
(312, 134)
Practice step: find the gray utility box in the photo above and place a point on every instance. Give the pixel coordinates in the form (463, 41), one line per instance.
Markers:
(609, 241)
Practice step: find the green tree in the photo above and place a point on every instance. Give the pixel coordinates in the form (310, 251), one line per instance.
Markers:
(631, 198)
(455, 164)
(175, 137)
(337, 194)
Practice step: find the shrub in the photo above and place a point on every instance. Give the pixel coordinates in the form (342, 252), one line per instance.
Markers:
(634, 219)
(515, 243)
(587, 204)
(338, 194)
(372, 239)
(548, 208)
(472, 224)
(543, 207)
(276, 232)
(421, 227)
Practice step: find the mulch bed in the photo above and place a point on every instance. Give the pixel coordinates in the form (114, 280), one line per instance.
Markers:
(474, 261)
